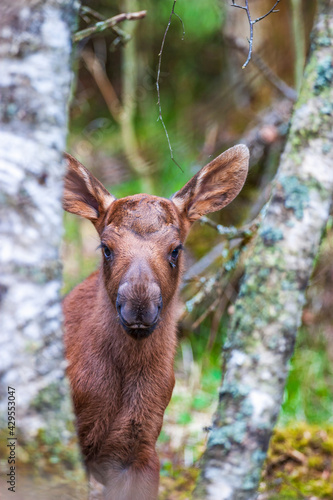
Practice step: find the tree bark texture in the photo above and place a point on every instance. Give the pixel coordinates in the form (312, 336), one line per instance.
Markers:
(35, 82)
(263, 328)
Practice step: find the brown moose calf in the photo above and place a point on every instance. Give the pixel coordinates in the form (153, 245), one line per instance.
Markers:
(120, 323)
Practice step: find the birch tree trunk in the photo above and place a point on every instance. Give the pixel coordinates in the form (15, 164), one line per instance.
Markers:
(263, 329)
(35, 80)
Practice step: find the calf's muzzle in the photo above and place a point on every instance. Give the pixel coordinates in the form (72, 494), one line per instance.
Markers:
(139, 306)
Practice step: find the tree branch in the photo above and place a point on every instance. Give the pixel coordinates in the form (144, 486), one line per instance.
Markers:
(252, 22)
(85, 12)
(273, 79)
(108, 23)
(232, 232)
(160, 117)
(98, 72)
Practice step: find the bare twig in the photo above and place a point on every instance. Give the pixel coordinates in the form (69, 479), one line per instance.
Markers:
(116, 109)
(213, 287)
(96, 69)
(252, 22)
(299, 40)
(85, 12)
(160, 117)
(279, 84)
(221, 284)
(206, 313)
(235, 237)
(200, 267)
(233, 232)
(228, 295)
(108, 23)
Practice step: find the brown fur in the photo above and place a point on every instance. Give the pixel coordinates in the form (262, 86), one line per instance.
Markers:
(120, 323)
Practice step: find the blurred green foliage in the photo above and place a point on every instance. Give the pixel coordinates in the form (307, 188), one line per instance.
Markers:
(309, 391)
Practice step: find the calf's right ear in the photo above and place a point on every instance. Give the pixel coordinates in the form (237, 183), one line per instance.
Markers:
(215, 185)
(84, 195)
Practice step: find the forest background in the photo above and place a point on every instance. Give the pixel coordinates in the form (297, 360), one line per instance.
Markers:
(208, 103)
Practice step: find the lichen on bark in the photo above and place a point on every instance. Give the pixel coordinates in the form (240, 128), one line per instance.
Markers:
(263, 328)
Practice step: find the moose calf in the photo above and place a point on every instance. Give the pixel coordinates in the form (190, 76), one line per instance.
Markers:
(120, 323)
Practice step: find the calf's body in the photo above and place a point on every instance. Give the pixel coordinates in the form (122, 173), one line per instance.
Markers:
(120, 323)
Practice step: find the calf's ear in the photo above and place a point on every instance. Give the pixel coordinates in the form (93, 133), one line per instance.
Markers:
(84, 195)
(215, 185)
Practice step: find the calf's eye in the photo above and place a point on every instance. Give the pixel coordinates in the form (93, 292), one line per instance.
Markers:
(174, 255)
(107, 252)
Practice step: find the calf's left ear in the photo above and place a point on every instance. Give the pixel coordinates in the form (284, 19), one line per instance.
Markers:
(215, 185)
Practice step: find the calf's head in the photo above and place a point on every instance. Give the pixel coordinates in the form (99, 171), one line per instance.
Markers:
(142, 236)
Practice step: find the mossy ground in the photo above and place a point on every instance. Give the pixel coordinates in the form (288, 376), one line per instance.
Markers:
(299, 466)
(299, 463)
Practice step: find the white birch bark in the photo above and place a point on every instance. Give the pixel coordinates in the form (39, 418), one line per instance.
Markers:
(35, 81)
(263, 329)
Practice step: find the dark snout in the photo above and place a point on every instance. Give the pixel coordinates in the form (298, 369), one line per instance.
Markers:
(139, 307)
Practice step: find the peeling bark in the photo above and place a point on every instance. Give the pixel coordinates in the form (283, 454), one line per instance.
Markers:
(263, 329)
(35, 80)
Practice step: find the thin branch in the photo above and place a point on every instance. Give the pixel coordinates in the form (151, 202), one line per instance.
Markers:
(228, 295)
(160, 117)
(233, 232)
(206, 313)
(279, 84)
(215, 287)
(108, 23)
(239, 238)
(85, 12)
(96, 69)
(251, 23)
(91, 12)
(272, 11)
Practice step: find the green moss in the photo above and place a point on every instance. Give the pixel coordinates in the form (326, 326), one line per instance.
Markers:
(298, 465)
(177, 482)
(316, 462)
(257, 291)
(327, 446)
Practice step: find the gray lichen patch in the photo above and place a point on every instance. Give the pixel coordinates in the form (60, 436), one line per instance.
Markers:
(270, 236)
(226, 435)
(296, 195)
(324, 77)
